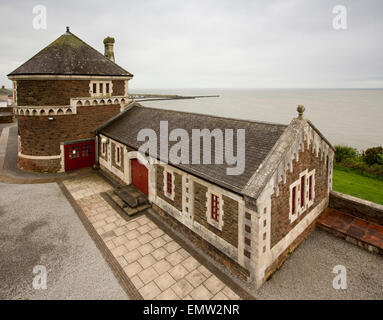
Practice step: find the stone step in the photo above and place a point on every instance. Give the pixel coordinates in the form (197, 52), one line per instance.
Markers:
(131, 196)
(129, 199)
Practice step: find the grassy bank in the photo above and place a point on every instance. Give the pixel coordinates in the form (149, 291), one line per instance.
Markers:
(356, 184)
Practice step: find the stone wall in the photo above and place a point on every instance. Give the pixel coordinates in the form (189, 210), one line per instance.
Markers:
(280, 204)
(114, 157)
(50, 92)
(177, 203)
(357, 207)
(230, 217)
(278, 262)
(39, 165)
(41, 137)
(57, 92)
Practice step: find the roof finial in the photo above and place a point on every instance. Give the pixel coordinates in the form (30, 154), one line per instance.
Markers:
(67, 29)
(300, 110)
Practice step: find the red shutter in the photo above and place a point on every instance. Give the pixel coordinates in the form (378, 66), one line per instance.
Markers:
(303, 179)
(214, 207)
(310, 187)
(293, 200)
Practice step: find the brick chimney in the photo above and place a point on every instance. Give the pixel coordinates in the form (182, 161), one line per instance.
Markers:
(109, 43)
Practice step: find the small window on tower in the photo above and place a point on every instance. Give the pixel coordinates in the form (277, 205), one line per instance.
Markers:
(94, 88)
(107, 88)
(101, 88)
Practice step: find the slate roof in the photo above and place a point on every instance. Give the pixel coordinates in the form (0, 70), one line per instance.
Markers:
(69, 55)
(260, 139)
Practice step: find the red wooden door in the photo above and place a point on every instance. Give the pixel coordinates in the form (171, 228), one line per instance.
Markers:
(139, 176)
(79, 155)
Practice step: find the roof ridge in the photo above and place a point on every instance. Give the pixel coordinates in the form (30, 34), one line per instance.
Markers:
(110, 61)
(67, 46)
(216, 117)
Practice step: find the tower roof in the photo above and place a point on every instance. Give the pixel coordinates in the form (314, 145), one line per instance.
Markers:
(69, 55)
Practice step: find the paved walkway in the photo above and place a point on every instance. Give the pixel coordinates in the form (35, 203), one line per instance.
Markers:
(157, 266)
(359, 230)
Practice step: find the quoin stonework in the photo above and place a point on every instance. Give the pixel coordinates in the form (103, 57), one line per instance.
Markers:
(73, 111)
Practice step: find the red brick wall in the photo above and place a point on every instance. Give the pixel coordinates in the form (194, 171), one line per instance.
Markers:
(41, 137)
(50, 92)
(280, 205)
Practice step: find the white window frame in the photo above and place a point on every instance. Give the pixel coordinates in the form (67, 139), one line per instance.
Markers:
(217, 224)
(294, 216)
(310, 202)
(171, 196)
(98, 93)
(307, 203)
(117, 147)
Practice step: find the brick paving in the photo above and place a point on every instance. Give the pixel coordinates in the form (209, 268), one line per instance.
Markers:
(155, 263)
(358, 229)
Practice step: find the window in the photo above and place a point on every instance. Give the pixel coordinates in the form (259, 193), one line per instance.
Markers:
(302, 194)
(169, 186)
(101, 88)
(303, 179)
(310, 188)
(103, 148)
(118, 155)
(169, 182)
(293, 200)
(214, 207)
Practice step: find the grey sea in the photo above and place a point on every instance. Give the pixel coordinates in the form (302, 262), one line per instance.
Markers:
(345, 116)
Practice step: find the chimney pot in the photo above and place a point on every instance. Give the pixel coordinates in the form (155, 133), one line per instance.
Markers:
(109, 52)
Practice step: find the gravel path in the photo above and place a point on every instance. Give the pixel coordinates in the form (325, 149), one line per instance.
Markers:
(307, 274)
(39, 227)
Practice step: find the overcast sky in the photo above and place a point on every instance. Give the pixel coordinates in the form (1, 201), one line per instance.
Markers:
(212, 43)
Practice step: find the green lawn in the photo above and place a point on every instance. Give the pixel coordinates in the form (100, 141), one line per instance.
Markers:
(350, 182)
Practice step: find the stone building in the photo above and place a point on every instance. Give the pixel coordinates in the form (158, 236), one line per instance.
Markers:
(61, 95)
(250, 222)
(73, 110)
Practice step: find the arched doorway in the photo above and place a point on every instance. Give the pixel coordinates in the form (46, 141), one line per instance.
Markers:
(139, 176)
